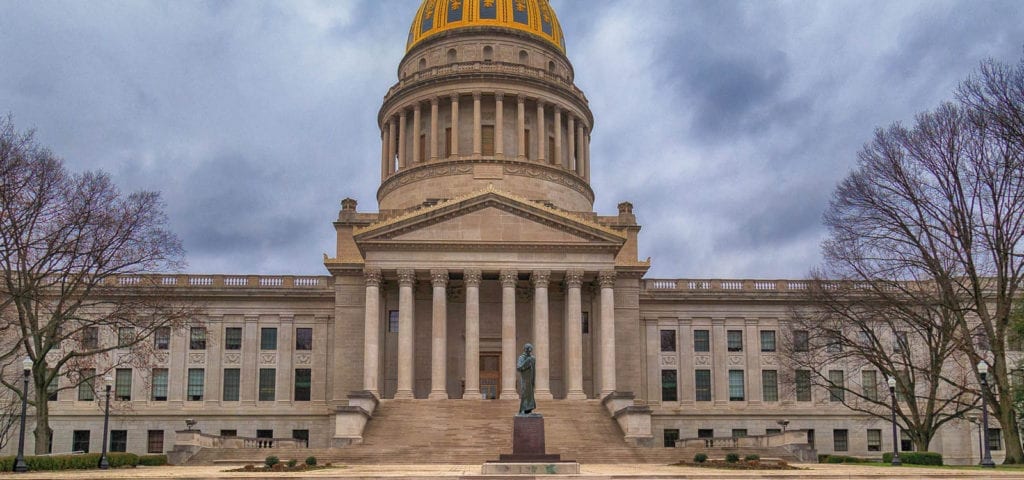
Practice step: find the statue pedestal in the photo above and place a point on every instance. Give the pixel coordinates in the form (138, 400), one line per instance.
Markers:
(528, 454)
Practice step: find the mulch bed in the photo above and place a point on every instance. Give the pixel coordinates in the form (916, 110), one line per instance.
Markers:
(740, 465)
(281, 467)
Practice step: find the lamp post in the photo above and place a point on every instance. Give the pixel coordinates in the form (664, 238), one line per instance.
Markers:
(986, 460)
(895, 441)
(19, 463)
(104, 463)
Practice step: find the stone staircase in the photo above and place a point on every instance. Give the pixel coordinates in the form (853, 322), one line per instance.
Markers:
(468, 432)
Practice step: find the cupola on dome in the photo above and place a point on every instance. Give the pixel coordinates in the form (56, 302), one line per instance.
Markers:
(535, 17)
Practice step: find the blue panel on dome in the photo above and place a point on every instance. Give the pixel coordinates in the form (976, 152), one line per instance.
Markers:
(455, 10)
(519, 12)
(428, 18)
(488, 9)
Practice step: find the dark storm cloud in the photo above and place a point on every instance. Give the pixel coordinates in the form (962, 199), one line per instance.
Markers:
(727, 124)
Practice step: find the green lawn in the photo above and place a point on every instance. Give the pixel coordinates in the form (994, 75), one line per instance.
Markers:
(950, 467)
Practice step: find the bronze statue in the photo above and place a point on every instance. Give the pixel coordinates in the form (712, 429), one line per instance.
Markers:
(527, 376)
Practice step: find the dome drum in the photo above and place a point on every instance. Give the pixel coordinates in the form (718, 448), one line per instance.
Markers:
(487, 49)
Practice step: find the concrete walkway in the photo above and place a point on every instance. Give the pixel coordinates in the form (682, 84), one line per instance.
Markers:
(437, 472)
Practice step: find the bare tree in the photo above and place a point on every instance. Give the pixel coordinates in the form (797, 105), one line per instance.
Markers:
(72, 251)
(940, 205)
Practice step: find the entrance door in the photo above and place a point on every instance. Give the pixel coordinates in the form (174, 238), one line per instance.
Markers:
(490, 375)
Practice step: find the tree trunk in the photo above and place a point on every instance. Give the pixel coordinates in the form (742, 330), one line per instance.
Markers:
(42, 415)
(1011, 437)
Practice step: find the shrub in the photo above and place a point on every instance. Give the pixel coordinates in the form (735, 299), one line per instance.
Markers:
(700, 458)
(271, 461)
(87, 461)
(311, 461)
(732, 457)
(292, 463)
(152, 460)
(915, 458)
(753, 457)
(121, 459)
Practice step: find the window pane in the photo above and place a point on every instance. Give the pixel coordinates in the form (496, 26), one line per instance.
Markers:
(196, 378)
(303, 338)
(874, 440)
(803, 385)
(770, 385)
(162, 339)
(869, 380)
(51, 388)
(736, 385)
(840, 440)
(155, 441)
(670, 436)
(159, 393)
(735, 340)
(701, 341)
(303, 380)
(669, 386)
(90, 338)
(995, 439)
(80, 441)
(739, 432)
(233, 338)
(902, 343)
(393, 321)
(123, 384)
(836, 384)
(268, 384)
(487, 140)
(268, 338)
(767, 340)
(197, 338)
(702, 385)
(86, 393)
(302, 435)
(668, 340)
(119, 440)
(125, 336)
(906, 444)
(232, 377)
(833, 346)
(800, 340)
(585, 319)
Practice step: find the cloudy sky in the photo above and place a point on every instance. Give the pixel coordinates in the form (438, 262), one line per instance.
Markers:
(727, 124)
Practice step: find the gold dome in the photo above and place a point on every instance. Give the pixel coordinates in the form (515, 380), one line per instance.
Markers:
(535, 17)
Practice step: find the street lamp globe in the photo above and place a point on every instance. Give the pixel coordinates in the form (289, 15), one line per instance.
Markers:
(892, 382)
(26, 363)
(983, 367)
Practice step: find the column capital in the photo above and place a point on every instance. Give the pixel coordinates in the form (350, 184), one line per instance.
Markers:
(373, 277)
(454, 97)
(407, 277)
(574, 278)
(509, 278)
(477, 95)
(541, 103)
(540, 278)
(439, 277)
(472, 277)
(417, 107)
(434, 101)
(403, 114)
(521, 99)
(499, 96)
(606, 278)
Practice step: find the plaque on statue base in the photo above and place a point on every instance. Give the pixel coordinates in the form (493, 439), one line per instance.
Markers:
(528, 455)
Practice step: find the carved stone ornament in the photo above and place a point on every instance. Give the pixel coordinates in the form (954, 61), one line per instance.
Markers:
(472, 277)
(160, 358)
(439, 278)
(668, 360)
(196, 358)
(373, 277)
(574, 278)
(303, 359)
(702, 360)
(540, 278)
(232, 358)
(509, 278)
(406, 277)
(268, 358)
(606, 279)
(769, 360)
(735, 360)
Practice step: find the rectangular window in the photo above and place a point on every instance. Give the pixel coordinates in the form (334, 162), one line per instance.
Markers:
(869, 380)
(423, 148)
(233, 338)
(261, 433)
(669, 386)
(995, 439)
(801, 341)
(903, 385)
(162, 339)
(901, 343)
(123, 384)
(668, 340)
(80, 441)
(701, 341)
(232, 379)
(196, 381)
(159, 392)
(770, 385)
(90, 338)
(736, 393)
(125, 336)
(268, 384)
(119, 440)
(906, 444)
(702, 385)
(526, 138)
(874, 440)
(735, 340)
(51, 388)
(229, 433)
(551, 149)
(86, 393)
(155, 441)
(585, 322)
(487, 140)
(447, 142)
(197, 338)
(803, 385)
(393, 321)
(767, 340)
(739, 432)
(670, 435)
(833, 346)
(268, 338)
(303, 338)
(772, 431)
(836, 383)
(863, 339)
(705, 433)
(302, 436)
(840, 440)
(303, 380)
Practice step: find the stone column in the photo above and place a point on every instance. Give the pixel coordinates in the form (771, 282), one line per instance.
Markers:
(439, 337)
(371, 332)
(521, 126)
(406, 334)
(541, 333)
(509, 278)
(433, 128)
(455, 126)
(403, 138)
(574, 340)
(477, 147)
(391, 146)
(570, 162)
(580, 149)
(542, 134)
(752, 349)
(719, 362)
(384, 152)
(607, 281)
(472, 282)
(558, 136)
(417, 119)
(499, 124)
(586, 156)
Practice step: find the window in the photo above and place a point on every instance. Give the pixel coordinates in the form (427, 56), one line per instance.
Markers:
(702, 385)
(196, 379)
(840, 440)
(197, 338)
(836, 384)
(833, 346)
(453, 56)
(232, 377)
(735, 340)
(268, 338)
(669, 386)
(90, 338)
(767, 340)
(705, 433)
(874, 440)
(229, 433)
(123, 384)
(487, 140)
(772, 431)
(264, 433)
(268, 384)
(119, 440)
(51, 388)
(739, 432)
(303, 379)
(863, 338)
(670, 435)
(701, 341)
(551, 149)
(585, 322)
(770, 385)
(801, 341)
(668, 340)
(995, 439)
(80, 441)
(159, 392)
(233, 338)
(803, 385)
(901, 344)
(393, 321)
(448, 142)
(155, 441)
(736, 386)
(125, 337)
(423, 149)
(86, 393)
(869, 381)
(488, 53)
(906, 444)
(526, 141)
(303, 338)
(301, 435)
(162, 339)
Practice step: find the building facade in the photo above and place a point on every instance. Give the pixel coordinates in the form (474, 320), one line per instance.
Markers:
(485, 239)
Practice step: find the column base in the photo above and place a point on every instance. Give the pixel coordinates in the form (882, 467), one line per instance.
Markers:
(471, 395)
(509, 395)
(404, 395)
(576, 396)
(605, 393)
(543, 395)
(438, 396)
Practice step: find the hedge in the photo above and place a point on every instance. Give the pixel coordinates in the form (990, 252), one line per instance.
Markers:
(840, 459)
(152, 460)
(74, 462)
(915, 458)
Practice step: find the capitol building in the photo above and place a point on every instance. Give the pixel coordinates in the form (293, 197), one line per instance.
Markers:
(484, 238)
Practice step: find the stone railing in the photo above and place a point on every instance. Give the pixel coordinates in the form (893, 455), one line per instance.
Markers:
(187, 443)
(478, 67)
(718, 285)
(789, 437)
(223, 281)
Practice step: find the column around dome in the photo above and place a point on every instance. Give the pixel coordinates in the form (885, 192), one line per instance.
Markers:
(477, 142)
(433, 128)
(570, 162)
(403, 135)
(521, 153)
(558, 137)
(416, 126)
(499, 124)
(542, 133)
(454, 151)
